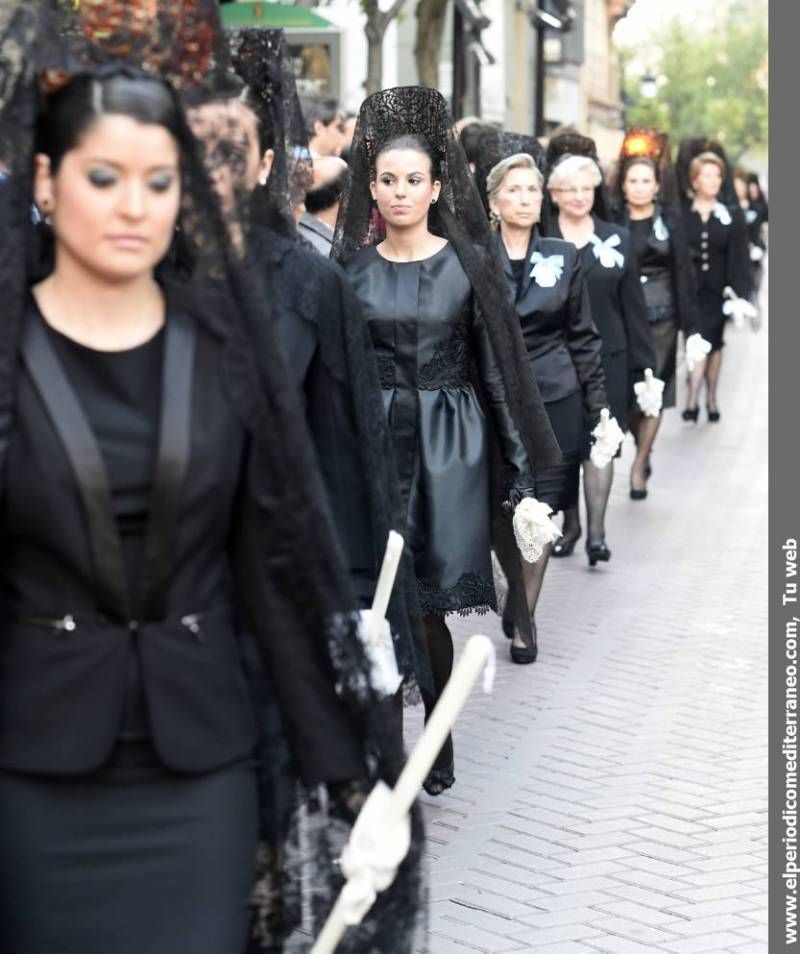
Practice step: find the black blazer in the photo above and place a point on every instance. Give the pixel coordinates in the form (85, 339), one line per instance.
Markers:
(207, 581)
(719, 249)
(617, 302)
(562, 341)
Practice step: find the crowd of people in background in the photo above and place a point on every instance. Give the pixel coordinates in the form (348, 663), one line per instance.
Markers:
(246, 335)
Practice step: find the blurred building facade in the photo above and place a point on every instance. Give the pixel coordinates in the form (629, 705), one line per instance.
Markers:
(581, 66)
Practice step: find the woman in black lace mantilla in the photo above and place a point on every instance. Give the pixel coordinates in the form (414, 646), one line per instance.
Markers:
(449, 355)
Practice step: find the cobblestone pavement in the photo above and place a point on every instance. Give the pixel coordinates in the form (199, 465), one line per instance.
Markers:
(612, 797)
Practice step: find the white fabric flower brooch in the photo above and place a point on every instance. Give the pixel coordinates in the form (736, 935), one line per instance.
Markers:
(606, 251)
(547, 269)
(721, 212)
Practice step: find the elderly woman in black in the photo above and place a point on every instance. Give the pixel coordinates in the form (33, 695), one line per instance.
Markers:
(620, 314)
(545, 278)
(717, 236)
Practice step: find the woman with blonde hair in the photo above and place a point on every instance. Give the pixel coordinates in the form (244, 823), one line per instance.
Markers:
(545, 278)
(619, 313)
(717, 236)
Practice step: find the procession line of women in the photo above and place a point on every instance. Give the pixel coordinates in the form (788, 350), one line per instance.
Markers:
(207, 432)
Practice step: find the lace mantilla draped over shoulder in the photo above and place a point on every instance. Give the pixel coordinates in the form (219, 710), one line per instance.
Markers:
(301, 580)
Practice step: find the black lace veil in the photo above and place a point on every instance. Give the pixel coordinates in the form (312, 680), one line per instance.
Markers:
(572, 143)
(261, 58)
(315, 289)
(496, 145)
(43, 45)
(654, 145)
(457, 216)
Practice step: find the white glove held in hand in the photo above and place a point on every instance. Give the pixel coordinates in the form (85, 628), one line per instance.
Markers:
(696, 350)
(649, 394)
(737, 308)
(386, 678)
(608, 436)
(533, 528)
(373, 854)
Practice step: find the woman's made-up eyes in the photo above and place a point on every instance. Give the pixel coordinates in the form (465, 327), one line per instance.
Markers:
(161, 183)
(102, 178)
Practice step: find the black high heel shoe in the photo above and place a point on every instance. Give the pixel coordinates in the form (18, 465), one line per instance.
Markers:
(598, 552)
(564, 546)
(713, 416)
(439, 779)
(690, 414)
(524, 655)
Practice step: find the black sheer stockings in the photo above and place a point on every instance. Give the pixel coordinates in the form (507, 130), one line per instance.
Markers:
(596, 490)
(440, 652)
(533, 574)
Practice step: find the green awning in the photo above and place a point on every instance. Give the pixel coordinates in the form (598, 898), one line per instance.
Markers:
(258, 13)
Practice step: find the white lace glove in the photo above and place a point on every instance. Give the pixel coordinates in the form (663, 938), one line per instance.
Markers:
(373, 854)
(607, 438)
(737, 308)
(533, 528)
(649, 394)
(379, 647)
(696, 350)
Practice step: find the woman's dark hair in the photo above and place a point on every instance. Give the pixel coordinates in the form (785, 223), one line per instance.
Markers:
(415, 144)
(648, 161)
(266, 134)
(69, 112)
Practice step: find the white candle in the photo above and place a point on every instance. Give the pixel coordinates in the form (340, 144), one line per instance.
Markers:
(383, 591)
(477, 653)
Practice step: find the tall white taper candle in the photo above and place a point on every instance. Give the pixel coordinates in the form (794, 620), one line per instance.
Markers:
(477, 653)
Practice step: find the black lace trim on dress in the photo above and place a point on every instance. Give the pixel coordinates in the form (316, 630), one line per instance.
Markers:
(472, 594)
(450, 365)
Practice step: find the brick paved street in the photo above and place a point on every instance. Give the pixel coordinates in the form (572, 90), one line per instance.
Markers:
(612, 797)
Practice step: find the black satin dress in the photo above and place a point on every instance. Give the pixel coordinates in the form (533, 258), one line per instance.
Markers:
(438, 372)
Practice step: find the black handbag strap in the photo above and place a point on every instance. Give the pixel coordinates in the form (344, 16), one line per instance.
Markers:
(87, 464)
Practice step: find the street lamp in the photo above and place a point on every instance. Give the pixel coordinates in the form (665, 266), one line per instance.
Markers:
(558, 16)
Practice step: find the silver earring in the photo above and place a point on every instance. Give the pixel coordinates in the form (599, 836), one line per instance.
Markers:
(433, 201)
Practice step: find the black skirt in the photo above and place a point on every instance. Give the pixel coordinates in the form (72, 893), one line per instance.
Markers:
(710, 317)
(665, 339)
(132, 859)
